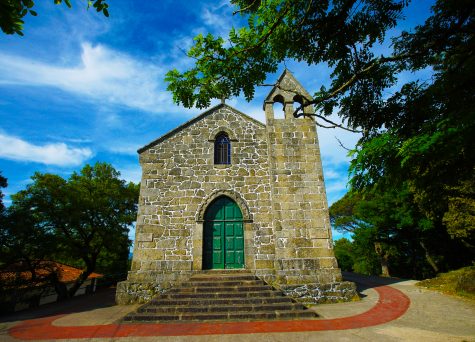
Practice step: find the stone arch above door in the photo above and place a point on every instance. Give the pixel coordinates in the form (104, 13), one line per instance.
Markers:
(236, 197)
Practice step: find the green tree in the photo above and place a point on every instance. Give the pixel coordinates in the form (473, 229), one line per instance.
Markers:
(389, 229)
(24, 246)
(345, 216)
(13, 12)
(366, 261)
(343, 213)
(460, 215)
(87, 215)
(344, 254)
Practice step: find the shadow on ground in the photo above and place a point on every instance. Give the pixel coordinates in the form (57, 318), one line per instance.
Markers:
(103, 298)
(364, 282)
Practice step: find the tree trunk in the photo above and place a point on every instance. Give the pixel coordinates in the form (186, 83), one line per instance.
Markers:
(383, 259)
(90, 267)
(61, 290)
(384, 266)
(429, 258)
(79, 281)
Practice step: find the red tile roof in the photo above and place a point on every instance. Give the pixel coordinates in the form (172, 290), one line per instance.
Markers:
(66, 273)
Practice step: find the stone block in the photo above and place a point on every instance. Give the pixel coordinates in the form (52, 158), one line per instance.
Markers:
(148, 254)
(318, 233)
(146, 245)
(148, 265)
(264, 264)
(328, 262)
(299, 243)
(321, 243)
(156, 230)
(266, 249)
(308, 253)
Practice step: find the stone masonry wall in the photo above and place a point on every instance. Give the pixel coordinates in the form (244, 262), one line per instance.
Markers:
(304, 252)
(180, 178)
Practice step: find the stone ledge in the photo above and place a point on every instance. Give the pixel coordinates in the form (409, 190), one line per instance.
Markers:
(136, 293)
(344, 291)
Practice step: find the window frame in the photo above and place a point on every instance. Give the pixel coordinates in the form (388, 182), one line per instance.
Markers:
(222, 149)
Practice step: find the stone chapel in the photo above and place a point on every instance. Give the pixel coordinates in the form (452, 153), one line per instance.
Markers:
(224, 191)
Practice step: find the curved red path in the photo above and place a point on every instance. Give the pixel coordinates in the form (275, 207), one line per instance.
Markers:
(392, 304)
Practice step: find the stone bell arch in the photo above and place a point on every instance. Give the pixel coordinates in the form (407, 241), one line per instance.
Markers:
(287, 91)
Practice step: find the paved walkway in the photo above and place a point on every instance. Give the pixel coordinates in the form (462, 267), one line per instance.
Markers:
(391, 310)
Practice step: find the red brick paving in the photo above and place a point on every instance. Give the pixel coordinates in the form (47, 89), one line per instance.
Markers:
(392, 304)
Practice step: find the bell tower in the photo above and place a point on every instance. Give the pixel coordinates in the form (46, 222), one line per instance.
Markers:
(303, 241)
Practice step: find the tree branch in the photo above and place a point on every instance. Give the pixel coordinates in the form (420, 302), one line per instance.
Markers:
(357, 75)
(298, 112)
(267, 35)
(341, 144)
(245, 8)
(333, 124)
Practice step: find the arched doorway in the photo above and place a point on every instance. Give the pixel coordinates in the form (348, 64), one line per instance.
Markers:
(223, 237)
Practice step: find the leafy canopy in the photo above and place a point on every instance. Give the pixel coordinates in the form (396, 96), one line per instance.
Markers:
(415, 156)
(80, 221)
(428, 137)
(13, 12)
(340, 33)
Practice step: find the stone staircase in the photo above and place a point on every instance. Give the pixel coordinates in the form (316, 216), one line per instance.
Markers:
(225, 295)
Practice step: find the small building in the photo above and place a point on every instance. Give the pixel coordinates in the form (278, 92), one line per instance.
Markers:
(21, 292)
(225, 191)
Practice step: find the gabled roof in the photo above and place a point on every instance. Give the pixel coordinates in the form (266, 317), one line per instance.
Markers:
(296, 88)
(194, 120)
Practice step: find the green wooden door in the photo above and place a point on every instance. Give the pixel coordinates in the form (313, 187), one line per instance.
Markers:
(223, 238)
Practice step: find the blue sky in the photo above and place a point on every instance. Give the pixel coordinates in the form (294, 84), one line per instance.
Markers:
(80, 88)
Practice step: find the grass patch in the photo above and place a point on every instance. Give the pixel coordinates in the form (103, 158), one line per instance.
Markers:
(460, 283)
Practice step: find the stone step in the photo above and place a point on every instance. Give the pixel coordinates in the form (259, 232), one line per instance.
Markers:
(216, 277)
(220, 296)
(225, 271)
(211, 283)
(234, 294)
(222, 308)
(219, 288)
(220, 316)
(219, 301)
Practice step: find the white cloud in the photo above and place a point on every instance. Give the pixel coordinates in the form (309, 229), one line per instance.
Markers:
(131, 173)
(74, 140)
(218, 18)
(337, 186)
(124, 149)
(103, 75)
(217, 21)
(331, 174)
(58, 154)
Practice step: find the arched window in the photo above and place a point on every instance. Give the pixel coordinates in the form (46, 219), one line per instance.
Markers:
(222, 149)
